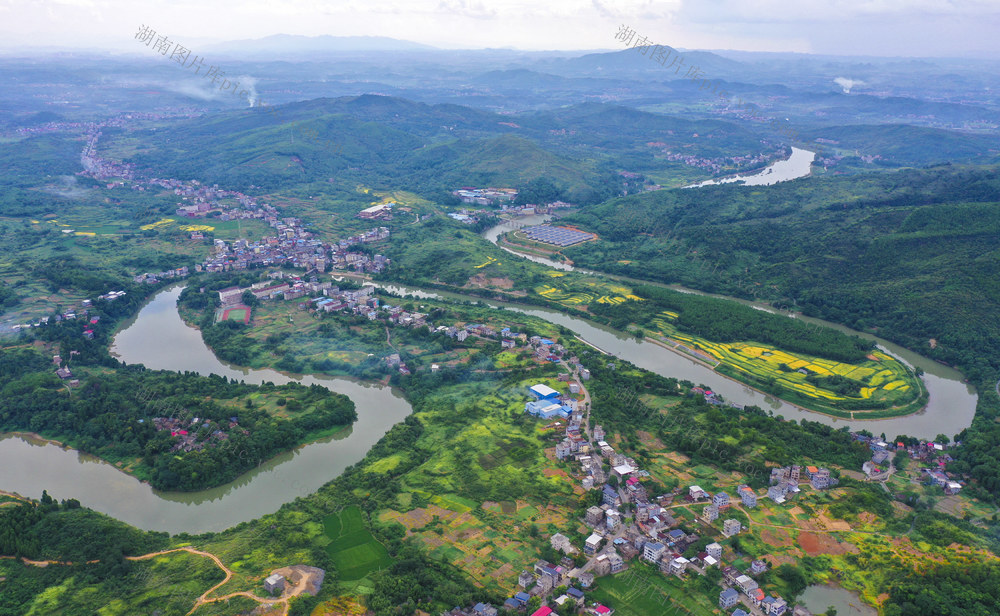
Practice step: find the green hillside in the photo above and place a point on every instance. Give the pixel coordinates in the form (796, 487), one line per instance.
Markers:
(899, 145)
(395, 143)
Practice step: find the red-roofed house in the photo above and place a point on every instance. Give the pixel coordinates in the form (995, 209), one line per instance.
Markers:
(600, 609)
(542, 611)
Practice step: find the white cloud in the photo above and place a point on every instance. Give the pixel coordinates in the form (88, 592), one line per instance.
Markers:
(824, 11)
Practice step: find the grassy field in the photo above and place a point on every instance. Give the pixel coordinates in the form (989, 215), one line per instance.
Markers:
(353, 549)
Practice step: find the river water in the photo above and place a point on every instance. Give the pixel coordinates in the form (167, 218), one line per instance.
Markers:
(795, 166)
(159, 339)
(950, 408)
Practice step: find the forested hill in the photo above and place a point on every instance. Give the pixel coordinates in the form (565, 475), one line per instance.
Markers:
(895, 145)
(433, 149)
(911, 255)
(142, 418)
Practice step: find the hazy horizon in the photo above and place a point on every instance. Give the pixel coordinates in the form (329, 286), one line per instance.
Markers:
(875, 28)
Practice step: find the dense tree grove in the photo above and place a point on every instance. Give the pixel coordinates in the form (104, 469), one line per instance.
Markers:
(951, 589)
(724, 321)
(66, 532)
(112, 414)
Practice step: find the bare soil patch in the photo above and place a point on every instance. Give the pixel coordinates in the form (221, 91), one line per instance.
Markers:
(813, 544)
(776, 538)
(481, 281)
(650, 441)
(832, 524)
(867, 517)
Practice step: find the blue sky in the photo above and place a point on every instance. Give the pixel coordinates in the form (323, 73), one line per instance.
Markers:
(916, 28)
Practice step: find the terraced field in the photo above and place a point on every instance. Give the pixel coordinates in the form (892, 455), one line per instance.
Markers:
(597, 291)
(881, 383)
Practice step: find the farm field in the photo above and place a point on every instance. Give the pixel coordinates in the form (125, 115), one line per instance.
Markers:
(882, 383)
(451, 532)
(353, 549)
(583, 292)
(640, 591)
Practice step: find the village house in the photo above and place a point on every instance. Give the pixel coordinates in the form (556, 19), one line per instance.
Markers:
(652, 551)
(746, 584)
(592, 544)
(612, 519)
(274, 584)
(484, 609)
(774, 606)
(695, 494)
(731, 527)
(714, 550)
(561, 543)
(728, 598)
(721, 501)
(710, 513)
(616, 562)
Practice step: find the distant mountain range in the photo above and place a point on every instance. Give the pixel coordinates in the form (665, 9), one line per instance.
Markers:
(294, 44)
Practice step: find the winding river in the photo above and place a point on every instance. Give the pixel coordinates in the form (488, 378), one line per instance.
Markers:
(795, 166)
(950, 408)
(158, 338)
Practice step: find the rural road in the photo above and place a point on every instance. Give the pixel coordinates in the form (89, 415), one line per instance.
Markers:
(203, 599)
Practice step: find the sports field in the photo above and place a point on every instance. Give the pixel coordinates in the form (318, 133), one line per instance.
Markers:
(236, 313)
(354, 550)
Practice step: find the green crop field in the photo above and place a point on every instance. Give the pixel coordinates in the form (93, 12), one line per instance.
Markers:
(644, 592)
(353, 548)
